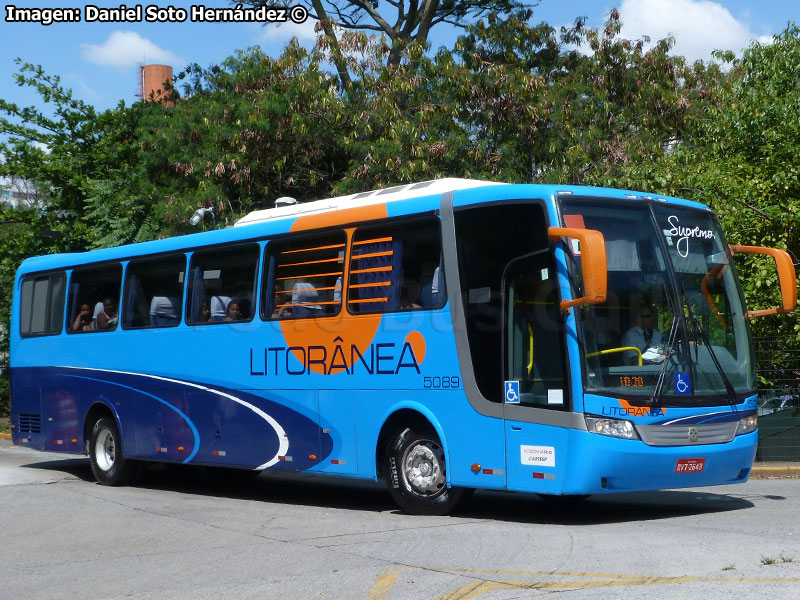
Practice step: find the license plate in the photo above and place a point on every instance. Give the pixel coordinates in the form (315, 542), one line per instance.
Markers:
(690, 465)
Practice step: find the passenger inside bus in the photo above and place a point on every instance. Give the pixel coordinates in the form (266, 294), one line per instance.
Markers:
(83, 320)
(219, 307)
(234, 312)
(409, 294)
(164, 311)
(304, 300)
(105, 314)
(204, 314)
(431, 282)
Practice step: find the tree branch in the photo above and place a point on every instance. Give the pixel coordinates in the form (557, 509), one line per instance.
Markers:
(336, 51)
(367, 7)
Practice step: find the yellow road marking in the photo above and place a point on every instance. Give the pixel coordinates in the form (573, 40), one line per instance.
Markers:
(383, 584)
(474, 589)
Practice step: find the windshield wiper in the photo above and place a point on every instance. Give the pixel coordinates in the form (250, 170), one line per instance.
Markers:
(655, 399)
(727, 382)
(697, 326)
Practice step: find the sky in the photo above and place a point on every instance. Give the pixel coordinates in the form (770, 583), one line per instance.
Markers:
(99, 61)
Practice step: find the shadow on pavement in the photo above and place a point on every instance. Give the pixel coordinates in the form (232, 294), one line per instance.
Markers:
(612, 508)
(78, 467)
(331, 492)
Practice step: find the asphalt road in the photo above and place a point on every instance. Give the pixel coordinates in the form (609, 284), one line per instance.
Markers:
(194, 534)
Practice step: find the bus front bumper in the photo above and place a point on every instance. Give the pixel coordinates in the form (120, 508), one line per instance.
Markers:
(602, 464)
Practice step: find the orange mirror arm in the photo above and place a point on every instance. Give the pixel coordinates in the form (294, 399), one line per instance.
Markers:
(787, 277)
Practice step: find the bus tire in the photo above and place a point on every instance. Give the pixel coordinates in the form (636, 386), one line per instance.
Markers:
(109, 467)
(416, 474)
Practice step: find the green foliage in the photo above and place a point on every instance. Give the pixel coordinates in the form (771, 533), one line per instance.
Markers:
(740, 157)
(83, 166)
(19, 239)
(409, 26)
(511, 101)
(254, 129)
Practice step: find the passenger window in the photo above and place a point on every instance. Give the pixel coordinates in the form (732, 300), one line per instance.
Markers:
(396, 267)
(305, 277)
(154, 292)
(222, 285)
(94, 299)
(42, 305)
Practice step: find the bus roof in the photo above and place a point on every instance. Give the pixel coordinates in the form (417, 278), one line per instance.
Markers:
(275, 221)
(379, 196)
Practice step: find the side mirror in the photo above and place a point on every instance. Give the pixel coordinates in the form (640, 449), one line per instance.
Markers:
(786, 276)
(593, 261)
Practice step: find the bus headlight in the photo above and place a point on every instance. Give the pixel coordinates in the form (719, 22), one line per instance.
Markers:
(612, 427)
(747, 424)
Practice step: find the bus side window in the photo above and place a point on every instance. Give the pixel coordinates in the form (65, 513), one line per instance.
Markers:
(396, 267)
(222, 285)
(99, 287)
(154, 292)
(305, 277)
(42, 305)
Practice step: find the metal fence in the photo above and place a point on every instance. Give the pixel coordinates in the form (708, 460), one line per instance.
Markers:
(778, 371)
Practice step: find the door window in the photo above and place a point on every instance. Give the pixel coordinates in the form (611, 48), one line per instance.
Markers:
(534, 332)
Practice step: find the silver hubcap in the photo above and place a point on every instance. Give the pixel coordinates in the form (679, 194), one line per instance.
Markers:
(105, 450)
(422, 468)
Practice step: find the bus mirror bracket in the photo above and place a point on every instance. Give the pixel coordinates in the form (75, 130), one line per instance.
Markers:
(786, 277)
(593, 262)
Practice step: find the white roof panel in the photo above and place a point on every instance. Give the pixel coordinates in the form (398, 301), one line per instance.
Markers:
(400, 192)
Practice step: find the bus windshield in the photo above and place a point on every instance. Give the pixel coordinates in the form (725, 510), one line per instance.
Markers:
(673, 327)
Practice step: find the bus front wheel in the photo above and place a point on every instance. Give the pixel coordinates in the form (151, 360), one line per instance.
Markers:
(416, 474)
(109, 467)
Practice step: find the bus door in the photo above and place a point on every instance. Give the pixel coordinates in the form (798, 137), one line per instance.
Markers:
(535, 391)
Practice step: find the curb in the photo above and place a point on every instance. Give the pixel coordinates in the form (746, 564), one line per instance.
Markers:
(776, 471)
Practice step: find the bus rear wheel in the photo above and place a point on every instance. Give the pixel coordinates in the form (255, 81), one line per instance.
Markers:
(416, 474)
(109, 467)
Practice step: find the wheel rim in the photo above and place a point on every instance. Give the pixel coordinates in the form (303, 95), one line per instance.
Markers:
(422, 468)
(105, 450)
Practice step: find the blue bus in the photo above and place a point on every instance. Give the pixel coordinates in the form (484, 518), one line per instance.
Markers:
(443, 336)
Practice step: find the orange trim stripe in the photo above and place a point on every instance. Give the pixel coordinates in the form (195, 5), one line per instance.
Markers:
(311, 262)
(311, 249)
(372, 255)
(370, 285)
(375, 241)
(340, 217)
(317, 289)
(290, 304)
(373, 270)
(337, 273)
(368, 300)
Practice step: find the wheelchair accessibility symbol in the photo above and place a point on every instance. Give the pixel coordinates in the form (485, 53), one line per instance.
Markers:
(682, 383)
(512, 392)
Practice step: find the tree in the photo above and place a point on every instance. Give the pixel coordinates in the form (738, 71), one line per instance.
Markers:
(80, 166)
(740, 157)
(249, 131)
(19, 239)
(403, 22)
(72, 155)
(518, 102)
(621, 108)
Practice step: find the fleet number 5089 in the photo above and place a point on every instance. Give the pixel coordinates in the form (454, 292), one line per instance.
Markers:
(441, 383)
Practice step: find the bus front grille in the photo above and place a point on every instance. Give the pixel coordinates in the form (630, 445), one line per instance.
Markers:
(687, 435)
